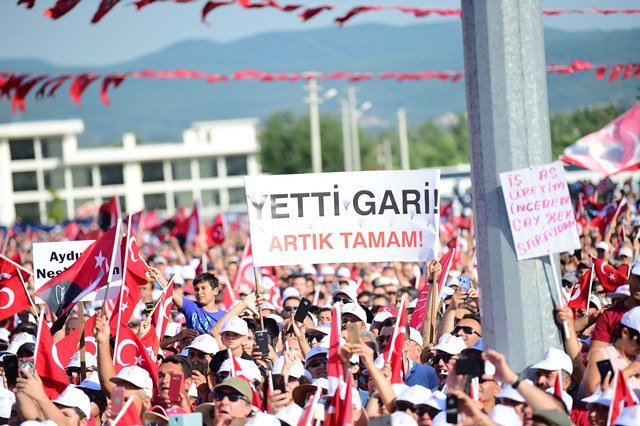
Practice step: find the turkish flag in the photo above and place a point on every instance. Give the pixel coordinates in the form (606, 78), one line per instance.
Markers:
(13, 296)
(187, 229)
(613, 149)
(335, 370)
(47, 364)
(235, 370)
(162, 311)
(128, 416)
(622, 397)
(608, 276)
(624, 270)
(70, 344)
(108, 214)
(417, 318)
(85, 275)
(603, 218)
(580, 294)
(394, 354)
(307, 416)
(340, 412)
(216, 233)
(134, 277)
(129, 350)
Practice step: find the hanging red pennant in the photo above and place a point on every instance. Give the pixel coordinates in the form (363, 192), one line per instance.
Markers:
(61, 8)
(104, 8)
(79, 85)
(211, 6)
(112, 80)
(27, 3)
(21, 92)
(312, 12)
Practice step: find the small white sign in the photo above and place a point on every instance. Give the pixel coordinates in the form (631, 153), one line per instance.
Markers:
(540, 211)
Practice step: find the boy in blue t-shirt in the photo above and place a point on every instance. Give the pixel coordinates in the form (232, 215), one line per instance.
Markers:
(202, 314)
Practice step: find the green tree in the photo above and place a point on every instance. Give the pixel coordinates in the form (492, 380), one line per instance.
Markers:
(285, 144)
(56, 211)
(434, 146)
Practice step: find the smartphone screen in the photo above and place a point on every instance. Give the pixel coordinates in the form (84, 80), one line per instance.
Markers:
(117, 400)
(464, 283)
(278, 383)
(303, 310)
(353, 331)
(473, 367)
(25, 364)
(175, 387)
(262, 340)
(452, 415)
(605, 367)
(199, 366)
(11, 368)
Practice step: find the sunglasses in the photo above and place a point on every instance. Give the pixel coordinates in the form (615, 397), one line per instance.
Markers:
(445, 358)
(465, 329)
(421, 410)
(290, 308)
(316, 363)
(233, 397)
(404, 406)
(341, 299)
(392, 293)
(382, 339)
(314, 337)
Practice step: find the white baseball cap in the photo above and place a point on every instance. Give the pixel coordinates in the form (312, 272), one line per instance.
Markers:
(308, 270)
(412, 304)
(450, 344)
(601, 245)
(268, 305)
(622, 291)
(4, 335)
(277, 318)
(354, 309)
(595, 300)
(415, 336)
(635, 269)
(600, 398)
(631, 319)
(398, 388)
(438, 400)
(629, 416)
(235, 325)
(73, 397)
(507, 392)
(415, 395)
(323, 328)
(343, 272)
(296, 370)
(262, 419)
(625, 251)
(290, 414)
(400, 418)
(348, 291)
(553, 360)
(290, 292)
(89, 359)
(503, 415)
(188, 272)
(566, 398)
(381, 316)
(249, 368)
(137, 376)
(205, 343)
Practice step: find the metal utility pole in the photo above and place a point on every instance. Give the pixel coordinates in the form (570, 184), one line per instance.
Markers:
(388, 155)
(508, 129)
(346, 135)
(404, 139)
(314, 117)
(355, 137)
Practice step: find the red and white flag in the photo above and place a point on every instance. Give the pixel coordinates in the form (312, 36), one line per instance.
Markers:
(613, 149)
(188, 228)
(217, 232)
(162, 312)
(335, 370)
(70, 344)
(622, 397)
(340, 412)
(579, 298)
(13, 295)
(417, 318)
(128, 416)
(131, 351)
(108, 214)
(557, 386)
(608, 214)
(307, 416)
(47, 364)
(235, 370)
(608, 276)
(394, 353)
(90, 272)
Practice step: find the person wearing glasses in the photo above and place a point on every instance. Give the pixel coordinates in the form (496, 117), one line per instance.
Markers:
(469, 329)
(316, 362)
(447, 348)
(622, 354)
(289, 306)
(231, 401)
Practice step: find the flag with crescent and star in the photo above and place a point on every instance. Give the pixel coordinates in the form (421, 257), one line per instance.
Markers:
(13, 296)
(88, 273)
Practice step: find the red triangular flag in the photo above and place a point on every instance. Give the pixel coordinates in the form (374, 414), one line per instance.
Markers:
(557, 387)
(394, 353)
(216, 233)
(580, 294)
(609, 212)
(162, 312)
(13, 296)
(49, 368)
(622, 397)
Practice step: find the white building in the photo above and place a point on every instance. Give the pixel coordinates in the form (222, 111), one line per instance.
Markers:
(208, 165)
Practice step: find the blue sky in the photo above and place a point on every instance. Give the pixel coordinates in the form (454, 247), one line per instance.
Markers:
(124, 33)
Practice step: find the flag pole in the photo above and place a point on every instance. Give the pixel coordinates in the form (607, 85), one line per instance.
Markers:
(124, 284)
(116, 241)
(26, 290)
(565, 325)
(22, 268)
(5, 241)
(255, 276)
(590, 285)
(83, 356)
(35, 350)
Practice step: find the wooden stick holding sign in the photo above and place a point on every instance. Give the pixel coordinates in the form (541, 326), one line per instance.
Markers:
(83, 354)
(561, 300)
(258, 295)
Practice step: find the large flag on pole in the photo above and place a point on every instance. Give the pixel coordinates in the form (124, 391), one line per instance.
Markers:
(394, 353)
(13, 294)
(613, 149)
(335, 369)
(608, 276)
(108, 214)
(417, 318)
(47, 363)
(217, 232)
(92, 270)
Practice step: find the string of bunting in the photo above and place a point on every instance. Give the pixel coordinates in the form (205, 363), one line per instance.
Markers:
(16, 86)
(62, 7)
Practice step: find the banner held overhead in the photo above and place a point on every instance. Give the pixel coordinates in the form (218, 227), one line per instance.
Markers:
(343, 217)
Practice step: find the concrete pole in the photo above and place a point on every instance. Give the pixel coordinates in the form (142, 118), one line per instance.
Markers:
(404, 139)
(355, 136)
(346, 135)
(508, 129)
(314, 117)
(388, 155)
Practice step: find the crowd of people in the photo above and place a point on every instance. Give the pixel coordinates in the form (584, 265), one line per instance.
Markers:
(275, 360)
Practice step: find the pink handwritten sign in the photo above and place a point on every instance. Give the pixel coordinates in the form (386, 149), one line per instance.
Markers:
(540, 211)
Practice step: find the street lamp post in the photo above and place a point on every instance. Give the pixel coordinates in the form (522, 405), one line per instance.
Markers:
(314, 102)
(355, 114)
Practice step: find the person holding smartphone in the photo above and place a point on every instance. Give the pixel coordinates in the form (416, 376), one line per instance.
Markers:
(201, 351)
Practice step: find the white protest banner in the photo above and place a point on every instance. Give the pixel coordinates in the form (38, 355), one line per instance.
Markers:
(50, 259)
(343, 217)
(540, 211)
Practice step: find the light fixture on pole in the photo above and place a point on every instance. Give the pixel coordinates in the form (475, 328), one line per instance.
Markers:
(314, 102)
(355, 114)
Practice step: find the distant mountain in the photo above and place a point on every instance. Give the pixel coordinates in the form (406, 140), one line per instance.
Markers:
(161, 109)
